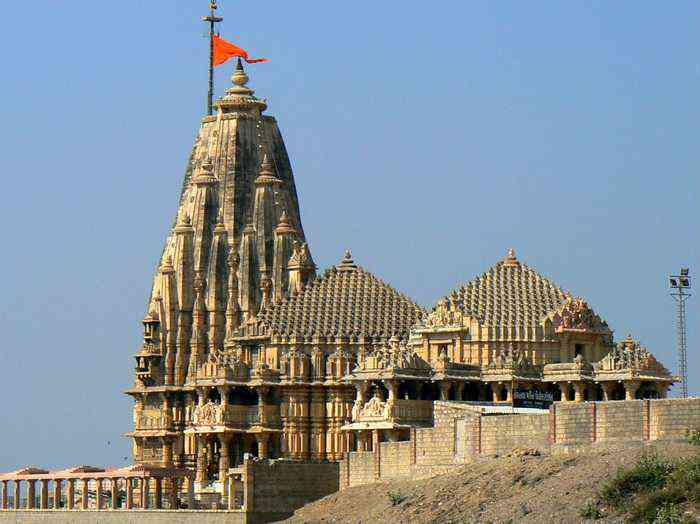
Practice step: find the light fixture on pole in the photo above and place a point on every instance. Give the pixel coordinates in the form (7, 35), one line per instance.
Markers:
(680, 286)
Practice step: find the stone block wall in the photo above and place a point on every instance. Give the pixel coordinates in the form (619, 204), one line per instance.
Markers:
(501, 433)
(671, 419)
(276, 488)
(464, 431)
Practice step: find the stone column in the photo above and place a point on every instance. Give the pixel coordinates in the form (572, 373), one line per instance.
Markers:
(445, 390)
(167, 452)
(579, 387)
(114, 487)
(631, 387)
(190, 493)
(224, 459)
(44, 494)
(31, 494)
(509, 392)
(3, 496)
(84, 501)
(159, 493)
(57, 489)
(98, 494)
(231, 493)
(262, 439)
(608, 388)
(70, 493)
(16, 495)
(145, 487)
(172, 494)
(129, 483)
(201, 474)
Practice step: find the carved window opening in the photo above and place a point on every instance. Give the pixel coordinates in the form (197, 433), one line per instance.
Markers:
(580, 350)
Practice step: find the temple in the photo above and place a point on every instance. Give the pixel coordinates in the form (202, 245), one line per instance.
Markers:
(248, 352)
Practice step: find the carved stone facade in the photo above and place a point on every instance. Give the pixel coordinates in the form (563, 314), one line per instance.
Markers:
(247, 351)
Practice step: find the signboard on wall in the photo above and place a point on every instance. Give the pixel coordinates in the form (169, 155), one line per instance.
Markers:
(532, 398)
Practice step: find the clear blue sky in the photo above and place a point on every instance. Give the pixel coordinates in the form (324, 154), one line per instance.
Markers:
(428, 137)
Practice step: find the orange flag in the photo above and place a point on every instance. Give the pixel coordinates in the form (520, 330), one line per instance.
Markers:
(224, 50)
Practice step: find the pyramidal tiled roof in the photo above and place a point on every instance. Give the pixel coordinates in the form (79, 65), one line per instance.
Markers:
(510, 293)
(346, 301)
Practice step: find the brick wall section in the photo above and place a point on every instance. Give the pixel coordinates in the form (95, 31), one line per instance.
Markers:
(574, 424)
(462, 432)
(619, 421)
(671, 419)
(501, 433)
(396, 459)
(280, 487)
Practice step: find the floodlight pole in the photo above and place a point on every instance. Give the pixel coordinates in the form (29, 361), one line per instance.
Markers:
(680, 293)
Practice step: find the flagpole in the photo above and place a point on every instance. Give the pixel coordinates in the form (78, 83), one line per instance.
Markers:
(212, 19)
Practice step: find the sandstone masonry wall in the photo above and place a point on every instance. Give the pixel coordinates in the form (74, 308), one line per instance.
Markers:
(277, 488)
(464, 431)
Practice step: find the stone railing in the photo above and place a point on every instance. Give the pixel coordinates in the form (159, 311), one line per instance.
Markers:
(399, 411)
(152, 422)
(236, 416)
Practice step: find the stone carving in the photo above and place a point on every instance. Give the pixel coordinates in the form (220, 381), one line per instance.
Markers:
(374, 408)
(393, 356)
(446, 313)
(577, 315)
(511, 358)
(208, 415)
(630, 355)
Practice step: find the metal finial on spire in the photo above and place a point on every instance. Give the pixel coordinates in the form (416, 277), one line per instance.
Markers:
(212, 19)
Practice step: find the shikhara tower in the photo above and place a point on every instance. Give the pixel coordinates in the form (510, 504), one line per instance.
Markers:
(237, 227)
(247, 350)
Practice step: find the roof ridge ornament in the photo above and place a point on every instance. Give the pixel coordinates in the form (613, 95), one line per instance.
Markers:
(347, 264)
(511, 260)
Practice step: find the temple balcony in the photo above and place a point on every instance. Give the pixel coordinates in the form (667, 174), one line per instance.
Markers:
(390, 414)
(216, 417)
(153, 422)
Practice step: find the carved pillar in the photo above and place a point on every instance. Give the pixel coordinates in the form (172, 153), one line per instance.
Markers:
(579, 388)
(57, 484)
(231, 493)
(631, 387)
(167, 452)
(262, 394)
(114, 487)
(172, 492)
(201, 474)
(84, 499)
(16, 494)
(263, 445)
(608, 388)
(98, 494)
(70, 494)
(129, 493)
(31, 494)
(509, 392)
(3, 497)
(224, 461)
(44, 494)
(145, 488)
(445, 390)
(317, 419)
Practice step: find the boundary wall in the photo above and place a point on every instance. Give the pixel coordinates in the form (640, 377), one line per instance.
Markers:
(462, 432)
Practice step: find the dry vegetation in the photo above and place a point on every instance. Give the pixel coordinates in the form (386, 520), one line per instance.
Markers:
(658, 483)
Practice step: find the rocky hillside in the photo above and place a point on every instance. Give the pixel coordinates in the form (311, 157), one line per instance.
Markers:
(521, 487)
